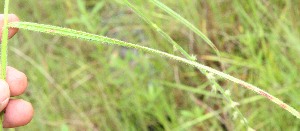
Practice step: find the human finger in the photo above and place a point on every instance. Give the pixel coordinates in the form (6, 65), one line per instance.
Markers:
(4, 94)
(11, 18)
(16, 80)
(17, 113)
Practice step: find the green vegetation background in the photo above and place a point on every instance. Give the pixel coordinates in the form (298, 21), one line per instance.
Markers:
(75, 85)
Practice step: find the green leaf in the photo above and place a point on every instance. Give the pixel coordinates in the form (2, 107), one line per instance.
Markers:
(186, 23)
(54, 30)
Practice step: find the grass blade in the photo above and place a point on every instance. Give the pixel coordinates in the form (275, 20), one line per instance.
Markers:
(159, 30)
(186, 23)
(54, 30)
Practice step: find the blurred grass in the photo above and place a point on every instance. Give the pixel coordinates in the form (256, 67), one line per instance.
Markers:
(76, 86)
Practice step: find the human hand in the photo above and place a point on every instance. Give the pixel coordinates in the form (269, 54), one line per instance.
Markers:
(17, 111)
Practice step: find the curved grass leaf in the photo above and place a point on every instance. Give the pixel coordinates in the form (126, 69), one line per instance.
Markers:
(54, 30)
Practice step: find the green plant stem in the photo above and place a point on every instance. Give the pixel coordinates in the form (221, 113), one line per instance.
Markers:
(4, 41)
(54, 30)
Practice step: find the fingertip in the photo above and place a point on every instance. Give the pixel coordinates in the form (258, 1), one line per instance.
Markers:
(13, 18)
(18, 113)
(16, 80)
(4, 94)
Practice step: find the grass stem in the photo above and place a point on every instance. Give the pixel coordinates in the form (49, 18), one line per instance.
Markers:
(4, 42)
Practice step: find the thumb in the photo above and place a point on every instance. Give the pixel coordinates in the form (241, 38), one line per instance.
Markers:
(11, 18)
(4, 94)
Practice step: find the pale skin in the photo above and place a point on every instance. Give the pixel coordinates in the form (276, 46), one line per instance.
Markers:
(18, 112)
